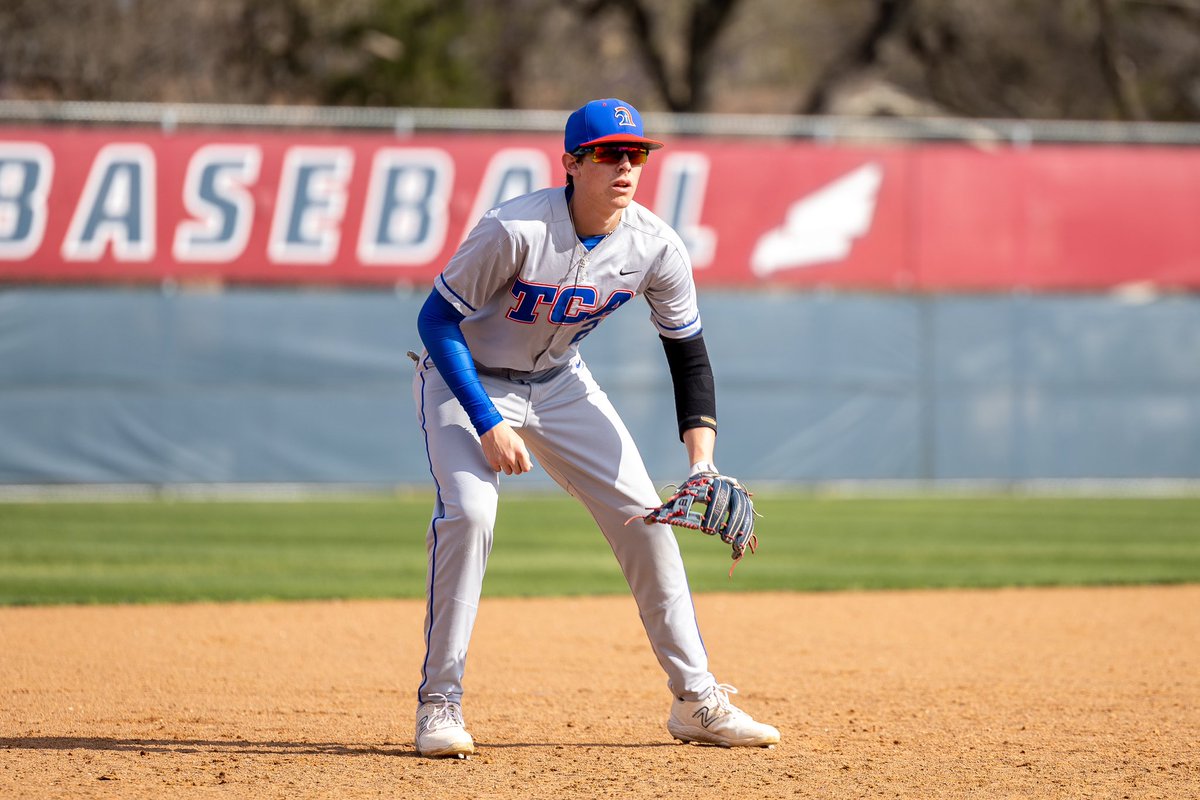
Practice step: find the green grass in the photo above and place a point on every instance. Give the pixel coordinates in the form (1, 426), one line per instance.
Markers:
(166, 550)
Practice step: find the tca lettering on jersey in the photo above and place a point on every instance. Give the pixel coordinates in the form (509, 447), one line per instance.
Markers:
(569, 305)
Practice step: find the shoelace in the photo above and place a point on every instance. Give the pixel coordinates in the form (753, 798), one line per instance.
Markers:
(722, 691)
(446, 714)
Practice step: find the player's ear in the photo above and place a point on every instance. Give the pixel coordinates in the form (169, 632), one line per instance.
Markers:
(570, 164)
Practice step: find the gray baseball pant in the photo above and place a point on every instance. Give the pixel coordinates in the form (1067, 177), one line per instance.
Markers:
(573, 431)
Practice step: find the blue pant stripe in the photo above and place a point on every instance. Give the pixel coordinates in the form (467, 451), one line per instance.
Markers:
(441, 512)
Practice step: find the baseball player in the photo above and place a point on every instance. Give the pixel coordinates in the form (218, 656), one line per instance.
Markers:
(502, 379)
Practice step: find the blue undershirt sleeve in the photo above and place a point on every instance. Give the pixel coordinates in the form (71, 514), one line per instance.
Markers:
(440, 327)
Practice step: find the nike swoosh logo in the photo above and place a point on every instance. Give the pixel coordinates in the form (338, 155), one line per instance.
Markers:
(630, 271)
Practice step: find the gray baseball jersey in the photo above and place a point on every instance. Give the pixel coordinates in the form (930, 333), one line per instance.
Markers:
(531, 292)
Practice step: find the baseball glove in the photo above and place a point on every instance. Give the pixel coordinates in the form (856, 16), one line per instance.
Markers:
(728, 511)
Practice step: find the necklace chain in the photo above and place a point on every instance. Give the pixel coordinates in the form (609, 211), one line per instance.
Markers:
(580, 266)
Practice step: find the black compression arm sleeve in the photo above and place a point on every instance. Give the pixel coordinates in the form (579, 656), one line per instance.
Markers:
(691, 374)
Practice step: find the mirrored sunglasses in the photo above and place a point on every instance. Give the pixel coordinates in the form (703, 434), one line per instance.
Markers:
(615, 153)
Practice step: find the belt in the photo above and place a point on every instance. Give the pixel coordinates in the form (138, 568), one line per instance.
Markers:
(522, 376)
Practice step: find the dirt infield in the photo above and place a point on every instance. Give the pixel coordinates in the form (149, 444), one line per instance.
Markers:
(1058, 693)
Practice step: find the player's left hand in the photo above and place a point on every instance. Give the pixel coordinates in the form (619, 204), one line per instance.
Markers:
(728, 511)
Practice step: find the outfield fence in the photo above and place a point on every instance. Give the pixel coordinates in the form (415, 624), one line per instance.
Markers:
(1064, 352)
(272, 386)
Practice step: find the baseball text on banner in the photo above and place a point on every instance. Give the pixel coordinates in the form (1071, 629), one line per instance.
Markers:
(128, 205)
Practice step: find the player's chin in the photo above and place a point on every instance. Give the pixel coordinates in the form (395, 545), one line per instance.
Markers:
(622, 199)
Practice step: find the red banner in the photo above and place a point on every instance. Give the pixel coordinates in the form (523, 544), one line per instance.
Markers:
(94, 205)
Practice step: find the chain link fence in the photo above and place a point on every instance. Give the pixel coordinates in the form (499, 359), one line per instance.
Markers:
(405, 121)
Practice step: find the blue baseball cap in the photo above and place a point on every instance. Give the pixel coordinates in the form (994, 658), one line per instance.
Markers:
(609, 121)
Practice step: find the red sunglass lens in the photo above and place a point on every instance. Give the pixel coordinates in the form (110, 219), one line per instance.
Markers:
(614, 155)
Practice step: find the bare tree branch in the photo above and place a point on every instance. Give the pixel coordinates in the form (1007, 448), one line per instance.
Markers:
(1187, 9)
(859, 55)
(643, 31)
(1135, 59)
(1120, 73)
(708, 21)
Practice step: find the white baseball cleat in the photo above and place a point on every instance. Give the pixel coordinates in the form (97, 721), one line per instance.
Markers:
(715, 720)
(441, 731)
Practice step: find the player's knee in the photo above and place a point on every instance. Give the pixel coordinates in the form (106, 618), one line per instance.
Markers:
(470, 522)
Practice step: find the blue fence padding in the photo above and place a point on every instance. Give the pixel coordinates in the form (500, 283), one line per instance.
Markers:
(136, 385)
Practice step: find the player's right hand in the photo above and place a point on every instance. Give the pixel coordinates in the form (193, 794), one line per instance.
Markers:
(505, 450)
